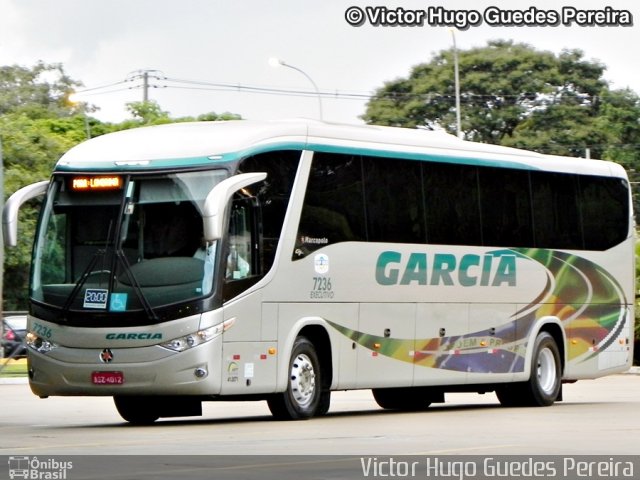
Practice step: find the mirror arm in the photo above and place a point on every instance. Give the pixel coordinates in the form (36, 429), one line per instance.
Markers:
(217, 200)
(12, 206)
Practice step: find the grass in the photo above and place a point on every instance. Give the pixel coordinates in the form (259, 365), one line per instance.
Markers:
(10, 368)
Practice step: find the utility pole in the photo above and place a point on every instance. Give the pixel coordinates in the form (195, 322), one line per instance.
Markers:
(145, 85)
(456, 74)
(145, 76)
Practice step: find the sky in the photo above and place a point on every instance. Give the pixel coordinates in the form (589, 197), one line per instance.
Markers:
(213, 55)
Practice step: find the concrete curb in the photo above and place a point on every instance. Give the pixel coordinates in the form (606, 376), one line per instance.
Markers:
(14, 381)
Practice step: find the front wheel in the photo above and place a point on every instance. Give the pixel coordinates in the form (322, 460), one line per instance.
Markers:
(137, 410)
(304, 397)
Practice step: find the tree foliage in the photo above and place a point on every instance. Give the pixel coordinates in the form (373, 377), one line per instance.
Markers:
(149, 112)
(38, 124)
(510, 94)
(38, 92)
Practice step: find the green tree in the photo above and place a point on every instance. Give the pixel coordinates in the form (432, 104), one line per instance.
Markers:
(502, 85)
(217, 117)
(148, 113)
(30, 149)
(38, 92)
(620, 118)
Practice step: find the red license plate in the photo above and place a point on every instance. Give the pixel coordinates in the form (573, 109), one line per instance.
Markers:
(107, 378)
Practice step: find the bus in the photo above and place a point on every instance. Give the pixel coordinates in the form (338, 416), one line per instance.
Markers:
(284, 260)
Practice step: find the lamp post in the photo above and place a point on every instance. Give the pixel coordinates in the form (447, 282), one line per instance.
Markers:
(276, 62)
(457, 84)
(74, 100)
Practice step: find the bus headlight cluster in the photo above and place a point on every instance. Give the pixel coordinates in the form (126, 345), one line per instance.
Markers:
(39, 344)
(181, 344)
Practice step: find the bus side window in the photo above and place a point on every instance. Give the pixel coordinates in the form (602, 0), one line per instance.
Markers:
(243, 257)
(273, 195)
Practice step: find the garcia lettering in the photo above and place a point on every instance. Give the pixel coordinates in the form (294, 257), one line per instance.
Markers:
(134, 336)
(470, 270)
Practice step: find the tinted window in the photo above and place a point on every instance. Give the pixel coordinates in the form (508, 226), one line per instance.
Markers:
(605, 211)
(556, 214)
(333, 209)
(394, 200)
(505, 207)
(452, 204)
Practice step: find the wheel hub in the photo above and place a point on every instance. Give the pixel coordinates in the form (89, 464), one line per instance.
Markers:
(546, 371)
(303, 380)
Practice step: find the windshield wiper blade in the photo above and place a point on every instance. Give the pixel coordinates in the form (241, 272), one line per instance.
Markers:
(133, 281)
(100, 252)
(80, 283)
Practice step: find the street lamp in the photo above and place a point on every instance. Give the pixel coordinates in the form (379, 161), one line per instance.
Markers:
(457, 83)
(74, 99)
(276, 62)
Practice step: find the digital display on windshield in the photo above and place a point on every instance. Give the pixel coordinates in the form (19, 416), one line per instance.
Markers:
(96, 183)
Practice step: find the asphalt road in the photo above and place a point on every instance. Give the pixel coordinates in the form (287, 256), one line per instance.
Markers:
(597, 417)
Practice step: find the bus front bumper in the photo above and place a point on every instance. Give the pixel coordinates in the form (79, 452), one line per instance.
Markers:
(130, 371)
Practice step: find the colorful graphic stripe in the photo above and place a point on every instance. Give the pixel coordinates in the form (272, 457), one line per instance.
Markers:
(587, 300)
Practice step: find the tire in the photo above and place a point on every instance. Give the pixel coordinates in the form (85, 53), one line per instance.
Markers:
(325, 403)
(407, 399)
(545, 379)
(304, 397)
(511, 395)
(136, 410)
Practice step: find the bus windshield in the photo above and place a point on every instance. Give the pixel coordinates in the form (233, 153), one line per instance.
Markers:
(122, 243)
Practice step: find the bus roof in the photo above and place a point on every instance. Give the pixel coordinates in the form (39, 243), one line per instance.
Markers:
(203, 143)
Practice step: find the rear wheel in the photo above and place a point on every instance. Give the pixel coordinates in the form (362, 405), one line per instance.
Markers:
(543, 386)
(304, 397)
(137, 410)
(510, 395)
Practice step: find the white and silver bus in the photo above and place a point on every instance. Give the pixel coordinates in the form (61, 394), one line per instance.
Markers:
(281, 261)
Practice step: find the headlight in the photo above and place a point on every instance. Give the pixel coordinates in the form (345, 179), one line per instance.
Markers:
(181, 344)
(39, 344)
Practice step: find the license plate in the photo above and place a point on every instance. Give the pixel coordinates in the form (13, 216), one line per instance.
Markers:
(107, 378)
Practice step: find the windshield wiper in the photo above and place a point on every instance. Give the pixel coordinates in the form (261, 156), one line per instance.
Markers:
(133, 281)
(86, 273)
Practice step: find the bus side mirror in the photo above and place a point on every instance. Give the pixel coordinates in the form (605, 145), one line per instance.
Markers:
(12, 206)
(217, 200)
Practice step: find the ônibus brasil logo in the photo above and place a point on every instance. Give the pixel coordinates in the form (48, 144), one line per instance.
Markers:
(35, 468)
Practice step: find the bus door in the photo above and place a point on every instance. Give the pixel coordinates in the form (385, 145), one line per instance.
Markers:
(249, 361)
